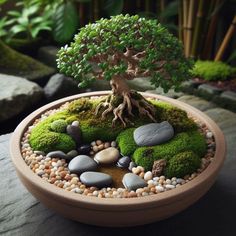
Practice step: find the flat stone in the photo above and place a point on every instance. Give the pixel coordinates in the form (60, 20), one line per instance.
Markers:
(82, 163)
(74, 132)
(209, 89)
(60, 86)
(171, 93)
(153, 134)
(96, 179)
(227, 100)
(107, 156)
(16, 95)
(57, 154)
(141, 84)
(132, 181)
(229, 95)
(123, 162)
(197, 102)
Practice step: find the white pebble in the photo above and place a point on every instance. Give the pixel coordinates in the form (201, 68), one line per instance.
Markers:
(148, 175)
(168, 181)
(150, 182)
(156, 179)
(159, 189)
(75, 123)
(179, 181)
(209, 135)
(174, 183)
(95, 193)
(40, 172)
(113, 144)
(170, 186)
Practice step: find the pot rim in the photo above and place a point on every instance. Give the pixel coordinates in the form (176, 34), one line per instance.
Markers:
(117, 204)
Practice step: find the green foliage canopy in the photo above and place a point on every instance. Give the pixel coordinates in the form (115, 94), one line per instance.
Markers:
(125, 46)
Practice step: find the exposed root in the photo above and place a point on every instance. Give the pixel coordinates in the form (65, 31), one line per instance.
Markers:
(125, 108)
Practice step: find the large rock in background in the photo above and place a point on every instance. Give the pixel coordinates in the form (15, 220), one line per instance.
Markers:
(60, 86)
(18, 64)
(48, 55)
(16, 95)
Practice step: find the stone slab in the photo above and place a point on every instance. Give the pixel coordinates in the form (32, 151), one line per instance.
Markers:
(197, 102)
(171, 93)
(21, 214)
(17, 94)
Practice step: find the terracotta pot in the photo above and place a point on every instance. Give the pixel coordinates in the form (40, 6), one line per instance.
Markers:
(118, 212)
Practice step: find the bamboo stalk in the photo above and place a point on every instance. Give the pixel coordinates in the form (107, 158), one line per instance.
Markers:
(189, 32)
(81, 14)
(211, 30)
(96, 9)
(185, 21)
(226, 40)
(147, 5)
(197, 29)
(180, 20)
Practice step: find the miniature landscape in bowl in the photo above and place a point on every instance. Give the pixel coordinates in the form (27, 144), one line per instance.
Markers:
(119, 158)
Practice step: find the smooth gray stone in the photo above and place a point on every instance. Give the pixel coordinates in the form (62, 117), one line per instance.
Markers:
(131, 165)
(96, 179)
(16, 95)
(71, 154)
(57, 154)
(132, 181)
(153, 134)
(123, 162)
(60, 86)
(74, 132)
(81, 164)
(84, 149)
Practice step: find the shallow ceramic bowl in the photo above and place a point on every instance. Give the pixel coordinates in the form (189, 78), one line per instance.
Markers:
(117, 212)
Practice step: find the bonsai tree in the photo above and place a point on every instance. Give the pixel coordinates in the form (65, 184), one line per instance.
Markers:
(120, 49)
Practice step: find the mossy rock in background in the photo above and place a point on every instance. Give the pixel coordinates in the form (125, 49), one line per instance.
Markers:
(186, 141)
(213, 70)
(182, 164)
(15, 63)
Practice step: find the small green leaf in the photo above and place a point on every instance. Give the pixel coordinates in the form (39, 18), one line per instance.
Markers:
(17, 29)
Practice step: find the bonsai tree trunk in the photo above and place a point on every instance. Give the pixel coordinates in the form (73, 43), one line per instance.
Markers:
(122, 101)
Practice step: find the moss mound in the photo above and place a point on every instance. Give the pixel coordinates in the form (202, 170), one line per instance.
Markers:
(186, 141)
(182, 164)
(213, 70)
(93, 127)
(15, 63)
(58, 126)
(44, 139)
(126, 142)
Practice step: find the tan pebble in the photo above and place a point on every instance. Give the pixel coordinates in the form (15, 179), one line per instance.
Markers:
(98, 142)
(68, 177)
(93, 143)
(95, 148)
(58, 177)
(107, 145)
(161, 181)
(47, 166)
(100, 195)
(52, 181)
(139, 190)
(100, 147)
(63, 174)
(86, 191)
(60, 185)
(153, 189)
(135, 170)
(48, 171)
(82, 186)
(141, 169)
(142, 174)
(92, 189)
(132, 194)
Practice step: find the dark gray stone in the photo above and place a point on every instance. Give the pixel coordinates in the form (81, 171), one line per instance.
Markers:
(74, 132)
(153, 134)
(71, 154)
(16, 95)
(60, 86)
(84, 149)
(57, 154)
(123, 162)
(229, 95)
(48, 55)
(132, 181)
(96, 179)
(131, 165)
(227, 100)
(81, 164)
(171, 93)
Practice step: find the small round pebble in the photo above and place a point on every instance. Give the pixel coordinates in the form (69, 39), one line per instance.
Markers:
(148, 175)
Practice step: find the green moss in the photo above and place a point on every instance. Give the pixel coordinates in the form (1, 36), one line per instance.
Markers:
(186, 141)
(15, 63)
(71, 118)
(213, 70)
(126, 142)
(43, 139)
(58, 126)
(182, 164)
(80, 105)
(176, 117)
